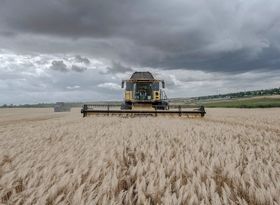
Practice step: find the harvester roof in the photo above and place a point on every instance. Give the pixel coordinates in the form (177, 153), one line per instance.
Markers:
(142, 76)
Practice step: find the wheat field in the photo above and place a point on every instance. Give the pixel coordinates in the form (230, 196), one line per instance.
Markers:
(231, 156)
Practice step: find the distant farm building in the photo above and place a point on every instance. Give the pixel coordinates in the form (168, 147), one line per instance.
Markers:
(61, 107)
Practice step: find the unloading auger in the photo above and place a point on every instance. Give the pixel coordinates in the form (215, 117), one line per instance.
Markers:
(143, 96)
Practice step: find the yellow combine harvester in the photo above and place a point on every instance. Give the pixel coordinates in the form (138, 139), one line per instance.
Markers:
(144, 95)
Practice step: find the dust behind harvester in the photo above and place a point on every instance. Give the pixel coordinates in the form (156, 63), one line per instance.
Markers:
(143, 95)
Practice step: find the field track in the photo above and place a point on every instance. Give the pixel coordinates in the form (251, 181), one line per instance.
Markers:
(232, 156)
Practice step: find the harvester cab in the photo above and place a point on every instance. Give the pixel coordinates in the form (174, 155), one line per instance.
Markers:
(143, 95)
(142, 90)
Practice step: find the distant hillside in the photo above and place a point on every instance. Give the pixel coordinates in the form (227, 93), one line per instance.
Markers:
(246, 94)
(248, 99)
(253, 102)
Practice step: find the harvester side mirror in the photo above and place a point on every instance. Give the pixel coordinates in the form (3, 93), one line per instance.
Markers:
(122, 84)
(163, 84)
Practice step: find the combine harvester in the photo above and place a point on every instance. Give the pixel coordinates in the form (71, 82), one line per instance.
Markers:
(143, 97)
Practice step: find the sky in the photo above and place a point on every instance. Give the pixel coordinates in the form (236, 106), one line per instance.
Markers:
(69, 50)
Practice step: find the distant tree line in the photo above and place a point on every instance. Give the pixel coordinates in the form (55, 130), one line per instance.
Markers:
(51, 105)
(39, 105)
(274, 91)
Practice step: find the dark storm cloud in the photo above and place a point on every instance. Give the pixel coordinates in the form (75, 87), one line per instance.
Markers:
(218, 35)
(234, 62)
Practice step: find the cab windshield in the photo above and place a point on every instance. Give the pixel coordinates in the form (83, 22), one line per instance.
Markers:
(143, 91)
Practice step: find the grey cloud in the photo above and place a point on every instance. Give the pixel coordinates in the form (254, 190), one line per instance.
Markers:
(78, 68)
(38, 83)
(7, 34)
(19, 84)
(118, 68)
(59, 66)
(81, 59)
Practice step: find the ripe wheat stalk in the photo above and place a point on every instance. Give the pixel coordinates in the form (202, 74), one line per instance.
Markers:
(227, 158)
